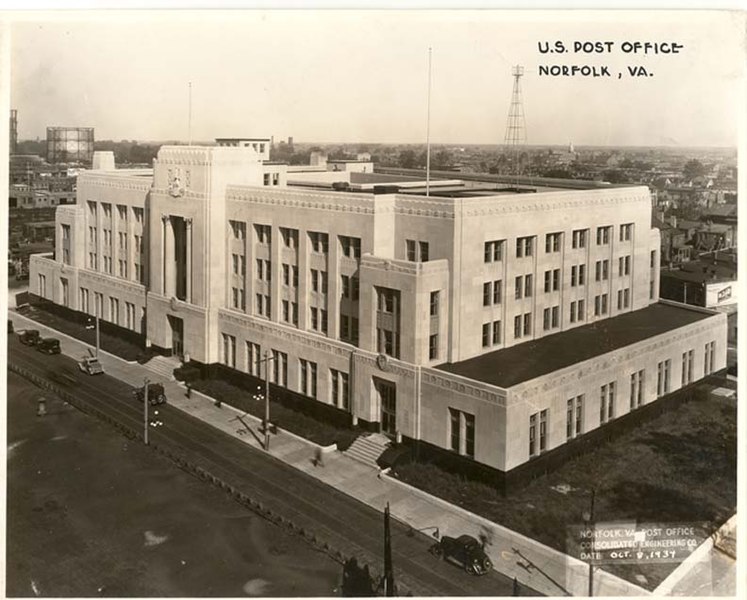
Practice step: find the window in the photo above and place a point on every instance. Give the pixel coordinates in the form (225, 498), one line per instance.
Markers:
(600, 305)
(533, 434)
(573, 312)
(550, 318)
(319, 242)
(485, 335)
(602, 270)
(286, 274)
(579, 238)
(581, 274)
(524, 246)
(285, 304)
(552, 280)
(388, 300)
(416, 251)
(653, 259)
(523, 286)
(636, 389)
(496, 332)
(497, 291)
(229, 350)
(264, 233)
(709, 360)
(543, 431)
(294, 271)
(253, 359)
(494, 251)
(235, 263)
(263, 305)
(663, 370)
(340, 389)
(84, 300)
(387, 342)
(433, 346)
(603, 235)
(522, 325)
(314, 311)
(625, 232)
(552, 242)
(280, 368)
(307, 372)
(607, 402)
(130, 315)
(580, 312)
(264, 270)
(462, 432)
(315, 279)
(517, 326)
(527, 324)
(434, 303)
(623, 266)
(238, 230)
(351, 246)
(138, 212)
(574, 417)
(238, 298)
(487, 293)
(290, 237)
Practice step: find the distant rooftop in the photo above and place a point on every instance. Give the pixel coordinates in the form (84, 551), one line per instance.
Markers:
(511, 366)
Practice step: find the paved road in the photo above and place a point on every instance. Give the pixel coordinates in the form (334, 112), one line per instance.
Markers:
(91, 513)
(345, 523)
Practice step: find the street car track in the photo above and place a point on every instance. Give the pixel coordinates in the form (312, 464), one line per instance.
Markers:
(344, 522)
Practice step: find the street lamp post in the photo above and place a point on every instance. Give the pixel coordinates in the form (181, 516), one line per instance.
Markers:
(266, 423)
(589, 518)
(98, 339)
(145, 411)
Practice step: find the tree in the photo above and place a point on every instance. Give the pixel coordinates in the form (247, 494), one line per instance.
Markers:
(407, 159)
(693, 168)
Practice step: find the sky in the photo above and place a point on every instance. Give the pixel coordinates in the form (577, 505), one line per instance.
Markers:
(362, 76)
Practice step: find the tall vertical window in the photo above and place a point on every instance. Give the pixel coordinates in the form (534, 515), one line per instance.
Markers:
(462, 432)
(279, 368)
(253, 359)
(417, 251)
(637, 380)
(434, 303)
(607, 402)
(290, 237)
(229, 350)
(339, 389)
(709, 359)
(433, 346)
(307, 372)
(663, 370)
(238, 230)
(626, 232)
(573, 419)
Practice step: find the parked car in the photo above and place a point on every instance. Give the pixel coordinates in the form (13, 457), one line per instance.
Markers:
(156, 394)
(30, 337)
(466, 551)
(49, 346)
(90, 365)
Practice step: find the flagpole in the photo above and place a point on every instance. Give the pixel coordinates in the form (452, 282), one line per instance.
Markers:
(189, 123)
(428, 134)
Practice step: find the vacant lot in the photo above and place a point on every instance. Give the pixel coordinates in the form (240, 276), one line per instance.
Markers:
(679, 467)
(91, 513)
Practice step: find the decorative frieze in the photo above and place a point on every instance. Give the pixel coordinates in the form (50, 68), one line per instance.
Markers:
(454, 383)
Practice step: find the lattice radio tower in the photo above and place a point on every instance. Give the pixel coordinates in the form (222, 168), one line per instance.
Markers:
(516, 133)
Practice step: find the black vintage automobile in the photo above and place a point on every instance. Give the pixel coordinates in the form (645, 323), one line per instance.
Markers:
(49, 346)
(156, 394)
(30, 337)
(465, 551)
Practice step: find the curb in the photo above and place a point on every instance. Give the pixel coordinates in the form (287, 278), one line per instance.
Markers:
(513, 535)
(205, 475)
(71, 338)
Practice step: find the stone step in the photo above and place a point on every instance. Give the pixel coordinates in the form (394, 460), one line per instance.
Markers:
(368, 449)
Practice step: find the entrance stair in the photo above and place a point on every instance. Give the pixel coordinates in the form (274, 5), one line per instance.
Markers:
(163, 366)
(368, 448)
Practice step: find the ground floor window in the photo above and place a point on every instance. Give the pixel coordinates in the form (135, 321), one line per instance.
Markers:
(538, 433)
(708, 362)
(280, 368)
(307, 375)
(663, 370)
(637, 380)
(229, 350)
(462, 432)
(687, 367)
(607, 402)
(340, 389)
(574, 417)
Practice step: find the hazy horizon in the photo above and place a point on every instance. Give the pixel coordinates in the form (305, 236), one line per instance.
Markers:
(336, 77)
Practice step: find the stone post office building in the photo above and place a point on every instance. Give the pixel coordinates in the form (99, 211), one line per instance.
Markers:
(497, 327)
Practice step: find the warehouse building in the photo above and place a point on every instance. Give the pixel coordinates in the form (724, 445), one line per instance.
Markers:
(495, 328)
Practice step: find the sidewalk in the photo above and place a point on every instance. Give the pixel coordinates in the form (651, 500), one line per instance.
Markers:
(371, 487)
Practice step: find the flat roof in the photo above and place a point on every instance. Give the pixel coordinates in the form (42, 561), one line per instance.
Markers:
(523, 362)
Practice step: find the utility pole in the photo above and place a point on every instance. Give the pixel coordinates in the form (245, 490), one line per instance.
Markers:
(145, 411)
(590, 520)
(98, 336)
(388, 569)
